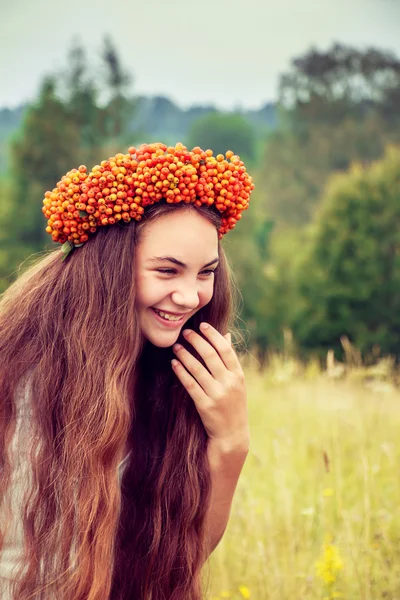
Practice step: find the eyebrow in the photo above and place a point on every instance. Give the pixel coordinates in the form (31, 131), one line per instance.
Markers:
(178, 262)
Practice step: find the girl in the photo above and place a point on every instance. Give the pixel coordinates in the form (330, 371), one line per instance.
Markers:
(123, 426)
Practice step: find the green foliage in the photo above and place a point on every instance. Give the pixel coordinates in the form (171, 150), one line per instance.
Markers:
(349, 283)
(264, 261)
(120, 108)
(65, 127)
(98, 101)
(12, 251)
(285, 254)
(296, 167)
(246, 246)
(222, 132)
(336, 107)
(10, 120)
(147, 118)
(340, 83)
(81, 97)
(43, 151)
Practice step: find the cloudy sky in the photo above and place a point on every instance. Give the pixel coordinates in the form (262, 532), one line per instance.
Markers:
(226, 52)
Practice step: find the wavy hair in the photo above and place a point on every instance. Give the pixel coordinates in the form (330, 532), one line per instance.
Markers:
(97, 388)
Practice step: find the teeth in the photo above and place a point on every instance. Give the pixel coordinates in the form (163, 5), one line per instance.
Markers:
(167, 316)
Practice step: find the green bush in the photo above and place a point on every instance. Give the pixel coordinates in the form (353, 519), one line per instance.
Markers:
(349, 283)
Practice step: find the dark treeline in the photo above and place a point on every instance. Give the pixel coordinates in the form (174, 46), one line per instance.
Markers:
(318, 255)
(152, 118)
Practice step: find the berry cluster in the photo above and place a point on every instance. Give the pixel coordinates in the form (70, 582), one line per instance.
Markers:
(121, 187)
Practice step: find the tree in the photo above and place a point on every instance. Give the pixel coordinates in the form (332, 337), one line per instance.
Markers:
(119, 108)
(335, 107)
(248, 247)
(340, 83)
(81, 97)
(46, 147)
(66, 127)
(98, 100)
(349, 282)
(296, 168)
(222, 132)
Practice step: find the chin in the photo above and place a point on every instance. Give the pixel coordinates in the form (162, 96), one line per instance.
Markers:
(163, 341)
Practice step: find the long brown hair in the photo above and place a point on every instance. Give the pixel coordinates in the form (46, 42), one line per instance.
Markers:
(96, 388)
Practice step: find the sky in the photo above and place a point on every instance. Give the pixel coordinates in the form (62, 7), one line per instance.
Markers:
(229, 53)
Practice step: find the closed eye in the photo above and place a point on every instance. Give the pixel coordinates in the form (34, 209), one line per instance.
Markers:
(207, 272)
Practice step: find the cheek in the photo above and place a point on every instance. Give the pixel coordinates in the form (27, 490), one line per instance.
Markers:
(147, 291)
(206, 294)
(141, 297)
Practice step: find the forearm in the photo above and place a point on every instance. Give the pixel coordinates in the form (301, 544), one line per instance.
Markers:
(226, 460)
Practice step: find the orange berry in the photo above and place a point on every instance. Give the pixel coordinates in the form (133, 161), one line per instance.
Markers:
(122, 186)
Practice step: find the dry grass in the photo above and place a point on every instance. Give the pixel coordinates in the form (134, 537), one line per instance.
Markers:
(324, 461)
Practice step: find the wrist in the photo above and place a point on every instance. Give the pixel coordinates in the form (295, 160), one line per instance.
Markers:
(233, 445)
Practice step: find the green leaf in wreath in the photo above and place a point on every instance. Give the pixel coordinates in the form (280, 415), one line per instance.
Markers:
(66, 249)
(83, 213)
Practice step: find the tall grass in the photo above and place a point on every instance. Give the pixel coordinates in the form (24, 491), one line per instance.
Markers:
(317, 510)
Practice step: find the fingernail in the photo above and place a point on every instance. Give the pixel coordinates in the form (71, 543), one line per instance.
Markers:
(174, 362)
(176, 347)
(204, 325)
(186, 332)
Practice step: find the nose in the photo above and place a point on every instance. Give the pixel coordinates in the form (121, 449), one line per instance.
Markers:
(186, 296)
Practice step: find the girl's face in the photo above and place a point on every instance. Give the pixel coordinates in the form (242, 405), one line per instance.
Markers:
(175, 261)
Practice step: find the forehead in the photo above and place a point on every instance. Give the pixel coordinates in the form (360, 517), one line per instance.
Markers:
(182, 234)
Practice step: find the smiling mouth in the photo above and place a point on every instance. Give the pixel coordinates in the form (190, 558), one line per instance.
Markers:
(169, 317)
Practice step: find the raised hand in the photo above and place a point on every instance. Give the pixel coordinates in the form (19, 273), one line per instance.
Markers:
(218, 391)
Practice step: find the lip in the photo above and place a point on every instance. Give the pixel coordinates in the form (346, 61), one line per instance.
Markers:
(168, 324)
(171, 312)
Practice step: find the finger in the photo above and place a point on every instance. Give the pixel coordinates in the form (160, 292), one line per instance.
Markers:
(228, 337)
(193, 388)
(196, 369)
(222, 346)
(207, 352)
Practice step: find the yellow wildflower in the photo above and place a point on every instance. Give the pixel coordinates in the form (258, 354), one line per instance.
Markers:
(330, 563)
(328, 492)
(244, 591)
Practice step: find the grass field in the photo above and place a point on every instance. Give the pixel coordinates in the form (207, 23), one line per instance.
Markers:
(317, 510)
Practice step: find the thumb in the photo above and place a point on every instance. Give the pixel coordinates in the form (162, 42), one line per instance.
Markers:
(228, 337)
